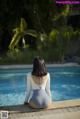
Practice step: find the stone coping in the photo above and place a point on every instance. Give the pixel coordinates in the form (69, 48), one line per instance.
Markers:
(48, 65)
(55, 105)
(66, 103)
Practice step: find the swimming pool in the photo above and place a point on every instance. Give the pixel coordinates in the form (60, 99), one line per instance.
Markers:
(65, 84)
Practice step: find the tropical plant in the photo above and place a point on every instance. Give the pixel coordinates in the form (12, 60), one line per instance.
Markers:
(19, 34)
(53, 35)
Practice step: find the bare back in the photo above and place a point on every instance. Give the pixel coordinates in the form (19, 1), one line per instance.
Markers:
(40, 80)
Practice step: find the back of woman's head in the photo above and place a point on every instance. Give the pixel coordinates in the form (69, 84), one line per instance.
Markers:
(39, 68)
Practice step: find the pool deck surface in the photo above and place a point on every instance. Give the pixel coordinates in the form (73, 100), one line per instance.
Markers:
(69, 109)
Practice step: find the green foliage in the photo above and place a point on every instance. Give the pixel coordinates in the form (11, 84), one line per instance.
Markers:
(31, 32)
(42, 41)
(53, 35)
(19, 34)
(27, 56)
(66, 10)
(53, 38)
(23, 25)
(15, 40)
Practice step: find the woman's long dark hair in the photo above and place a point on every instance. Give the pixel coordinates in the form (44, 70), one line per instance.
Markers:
(39, 68)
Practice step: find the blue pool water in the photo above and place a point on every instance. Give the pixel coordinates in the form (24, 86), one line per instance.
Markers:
(65, 84)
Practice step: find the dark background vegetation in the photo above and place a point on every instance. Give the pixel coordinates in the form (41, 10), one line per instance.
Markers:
(58, 25)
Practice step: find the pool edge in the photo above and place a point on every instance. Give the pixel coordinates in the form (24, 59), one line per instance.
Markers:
(54, 105)
(48, 65)
(64, 104)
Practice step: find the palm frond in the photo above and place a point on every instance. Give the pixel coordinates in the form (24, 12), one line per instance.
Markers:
(23, 25)
(32, 33)
(16, 30)
(15, 40)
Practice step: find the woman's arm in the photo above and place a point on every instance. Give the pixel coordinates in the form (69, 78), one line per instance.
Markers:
(28, 89)
(48, 86)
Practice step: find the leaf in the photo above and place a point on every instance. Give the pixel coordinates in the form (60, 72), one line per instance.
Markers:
(16, 30)
(43, 37)
(15, 40)
(53, 34)
(32, 33)
(23, 25)
(20, 32)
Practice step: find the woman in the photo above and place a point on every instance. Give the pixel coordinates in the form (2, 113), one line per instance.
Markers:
(38, 85)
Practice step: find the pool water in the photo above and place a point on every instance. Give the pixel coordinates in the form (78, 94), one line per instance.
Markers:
(65, 84)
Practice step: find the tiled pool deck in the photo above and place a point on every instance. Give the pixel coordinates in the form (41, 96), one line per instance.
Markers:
(69, 109)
